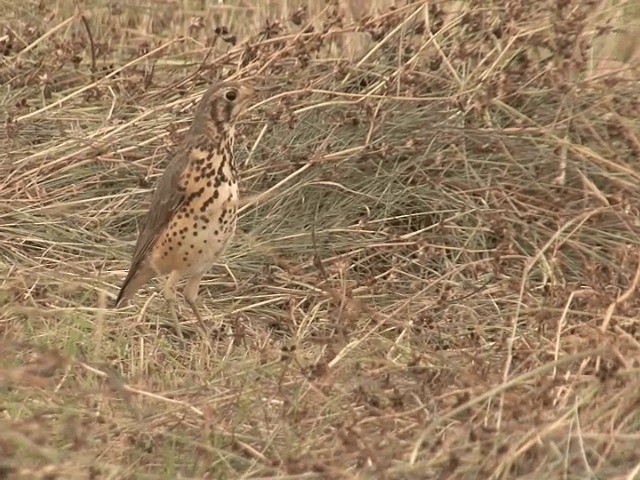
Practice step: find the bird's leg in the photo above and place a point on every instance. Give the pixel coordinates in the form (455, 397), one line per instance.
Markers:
(191, 294)
(170, 296)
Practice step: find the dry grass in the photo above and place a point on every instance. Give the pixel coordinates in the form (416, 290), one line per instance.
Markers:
(438, 282)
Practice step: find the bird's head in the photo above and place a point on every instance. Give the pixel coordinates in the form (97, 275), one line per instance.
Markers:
(222, 103)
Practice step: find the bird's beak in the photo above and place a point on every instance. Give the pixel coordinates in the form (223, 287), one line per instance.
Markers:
(247, 89)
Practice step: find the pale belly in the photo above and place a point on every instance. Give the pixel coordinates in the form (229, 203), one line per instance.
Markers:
(199, 234)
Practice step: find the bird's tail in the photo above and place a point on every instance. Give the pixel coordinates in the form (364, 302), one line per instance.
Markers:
(132, 283)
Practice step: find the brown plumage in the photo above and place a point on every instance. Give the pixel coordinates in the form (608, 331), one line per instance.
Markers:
(192, 215)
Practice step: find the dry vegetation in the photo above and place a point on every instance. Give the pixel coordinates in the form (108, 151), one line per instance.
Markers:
(440, 281)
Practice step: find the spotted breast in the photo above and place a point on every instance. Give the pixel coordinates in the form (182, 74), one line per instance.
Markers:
(203, 226)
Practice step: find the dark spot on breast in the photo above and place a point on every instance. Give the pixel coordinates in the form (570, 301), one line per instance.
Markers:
(209, 201)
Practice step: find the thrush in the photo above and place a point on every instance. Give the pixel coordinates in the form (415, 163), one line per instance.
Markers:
(192, 215)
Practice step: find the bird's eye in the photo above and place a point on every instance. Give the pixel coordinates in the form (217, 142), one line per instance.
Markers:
(231, 95)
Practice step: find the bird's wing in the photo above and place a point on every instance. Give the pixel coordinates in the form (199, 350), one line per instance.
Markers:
(167, 198)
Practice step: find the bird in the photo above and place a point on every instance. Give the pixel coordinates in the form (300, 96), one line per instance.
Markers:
(193, 209)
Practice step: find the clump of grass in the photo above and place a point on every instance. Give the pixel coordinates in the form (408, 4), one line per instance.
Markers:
(434, 273)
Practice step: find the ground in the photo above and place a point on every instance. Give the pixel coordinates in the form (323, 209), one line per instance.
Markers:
(436, 266)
